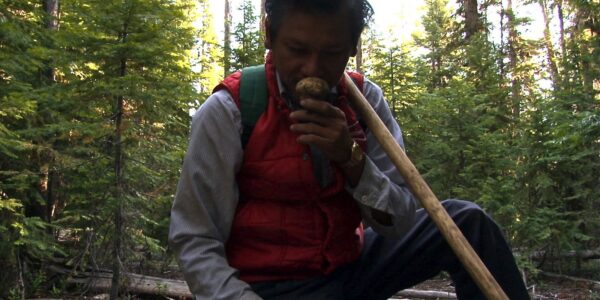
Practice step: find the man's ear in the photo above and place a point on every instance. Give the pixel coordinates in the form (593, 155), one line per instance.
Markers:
(268, 42)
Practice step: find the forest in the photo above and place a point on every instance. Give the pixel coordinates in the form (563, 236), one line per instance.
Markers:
(96, 97)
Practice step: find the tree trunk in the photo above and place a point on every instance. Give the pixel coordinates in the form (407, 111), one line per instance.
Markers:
(561, 25)
(51, 9)
(119, 226)
(227, 39)
(51, 23)
(49, 175)
(502, 45)
(581, 25)
(587, 30)
(473, 23)
(549, 47)
(263, 17)
(513, 61)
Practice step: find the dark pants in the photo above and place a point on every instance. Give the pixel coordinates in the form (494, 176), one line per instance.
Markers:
(387, 266)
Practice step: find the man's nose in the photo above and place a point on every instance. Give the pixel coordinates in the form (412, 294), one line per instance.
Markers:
(312, 66)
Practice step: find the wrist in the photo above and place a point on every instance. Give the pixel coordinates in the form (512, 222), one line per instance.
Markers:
(353, 167)
(356, 157)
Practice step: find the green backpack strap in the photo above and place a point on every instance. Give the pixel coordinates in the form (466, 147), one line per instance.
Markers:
(253, 98)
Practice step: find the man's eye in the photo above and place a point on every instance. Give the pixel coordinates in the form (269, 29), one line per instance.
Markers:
(297, 50)
(334, 52)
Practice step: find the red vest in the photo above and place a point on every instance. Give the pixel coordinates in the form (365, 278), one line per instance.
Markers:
(286, 226)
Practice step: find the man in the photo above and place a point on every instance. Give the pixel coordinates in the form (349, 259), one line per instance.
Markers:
(280, 217)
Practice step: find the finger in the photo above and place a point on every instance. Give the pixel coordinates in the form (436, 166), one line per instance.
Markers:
(322, 107)
(311, 139)
(311, 128)
(329, 136)
(333, 151)
(305, 116)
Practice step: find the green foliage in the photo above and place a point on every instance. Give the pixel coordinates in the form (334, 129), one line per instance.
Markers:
(394, 70)
(482, 127)
(21, 234)
(209, 53)
(116, 51)
(478, 123)
(560, 188)
(436, 40)
(57, 135)
(249, 47)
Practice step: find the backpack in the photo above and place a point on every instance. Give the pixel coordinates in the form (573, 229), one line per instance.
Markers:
(253, 98)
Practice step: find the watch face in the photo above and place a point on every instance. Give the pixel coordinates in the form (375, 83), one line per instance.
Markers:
(357, 153)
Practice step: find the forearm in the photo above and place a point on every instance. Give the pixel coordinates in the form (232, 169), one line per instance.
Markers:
(206, 271)
(386, 206)
(353, 169)
(386, 203)
(206, 201)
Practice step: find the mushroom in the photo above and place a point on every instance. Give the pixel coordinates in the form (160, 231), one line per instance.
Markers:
(312, 87)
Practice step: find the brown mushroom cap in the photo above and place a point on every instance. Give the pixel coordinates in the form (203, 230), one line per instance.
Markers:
(312, 87)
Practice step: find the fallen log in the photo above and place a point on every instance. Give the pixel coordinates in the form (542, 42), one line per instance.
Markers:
(411, 293)
(142, 284)
(582, 254)
(133, 283)
(587, 283)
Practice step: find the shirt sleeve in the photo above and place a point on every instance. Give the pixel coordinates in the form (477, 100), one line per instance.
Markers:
(206, 201)
(381, 187)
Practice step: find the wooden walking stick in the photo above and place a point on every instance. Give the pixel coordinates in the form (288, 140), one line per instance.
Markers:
(457, 241)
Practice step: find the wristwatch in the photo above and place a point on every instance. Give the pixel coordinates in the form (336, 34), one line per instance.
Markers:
(356, 156)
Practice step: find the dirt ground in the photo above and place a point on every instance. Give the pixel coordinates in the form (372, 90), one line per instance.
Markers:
(546, 289)
(549, 289)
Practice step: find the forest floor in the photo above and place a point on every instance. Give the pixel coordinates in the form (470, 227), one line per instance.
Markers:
(544, 286)
(541, 289)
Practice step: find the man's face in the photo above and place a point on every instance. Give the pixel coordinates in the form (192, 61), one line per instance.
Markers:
(309, 45)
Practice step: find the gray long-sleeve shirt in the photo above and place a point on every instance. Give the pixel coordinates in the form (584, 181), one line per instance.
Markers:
(207, 194)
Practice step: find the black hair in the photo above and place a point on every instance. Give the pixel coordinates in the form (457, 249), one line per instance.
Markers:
(360, 12)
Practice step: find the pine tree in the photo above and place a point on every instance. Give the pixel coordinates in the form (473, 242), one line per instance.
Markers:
(227, 38)
(473, 23)
(24, 226)
(249, 47)
(560, 138)
(209, 52)
(436, 41)
(129, 74)
(550, 53)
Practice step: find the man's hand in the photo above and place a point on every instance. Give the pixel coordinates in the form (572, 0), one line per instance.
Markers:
(321, 124)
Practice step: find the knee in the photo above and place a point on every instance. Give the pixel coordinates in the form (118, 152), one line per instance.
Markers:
(458, 205)
(464, 210)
